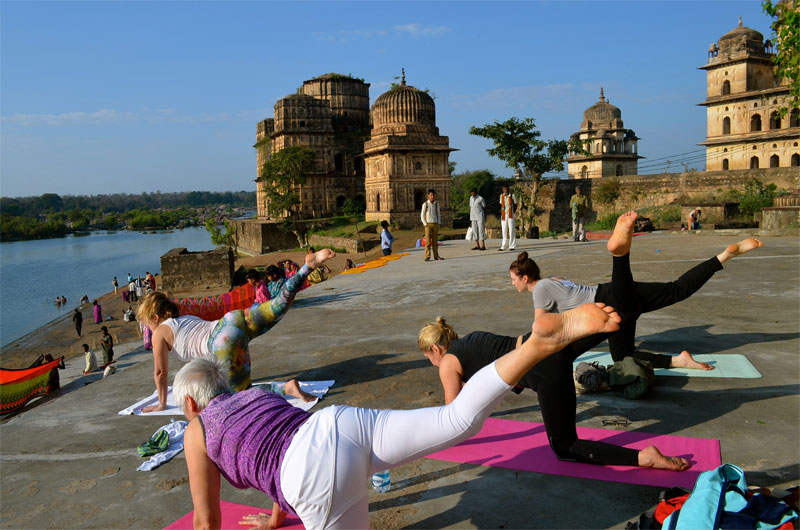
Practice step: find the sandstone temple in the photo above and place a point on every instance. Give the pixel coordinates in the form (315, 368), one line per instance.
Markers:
(745, 130)
(612, 150)
(388, 158)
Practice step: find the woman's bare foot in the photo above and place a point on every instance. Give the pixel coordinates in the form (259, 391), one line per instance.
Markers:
(318, 258)
(292, 388)
(739, 248)
(553, 331)
(685, 360)
(651, 457)
(619, 243)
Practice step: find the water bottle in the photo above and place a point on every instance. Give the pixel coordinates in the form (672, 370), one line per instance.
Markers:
(381, 481)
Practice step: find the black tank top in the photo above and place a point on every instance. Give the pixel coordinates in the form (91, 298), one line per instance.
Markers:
(478, 349)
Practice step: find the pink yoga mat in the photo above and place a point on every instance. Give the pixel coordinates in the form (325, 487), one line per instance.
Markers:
(523, 446)
(231, 515)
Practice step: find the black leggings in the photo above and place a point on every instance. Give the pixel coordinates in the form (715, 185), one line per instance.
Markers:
(646, 297)
(552, 378)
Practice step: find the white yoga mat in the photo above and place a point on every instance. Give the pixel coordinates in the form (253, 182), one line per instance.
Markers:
(730, 365)
(317, 388)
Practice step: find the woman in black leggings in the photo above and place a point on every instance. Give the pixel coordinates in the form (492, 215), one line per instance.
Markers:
(459, 359)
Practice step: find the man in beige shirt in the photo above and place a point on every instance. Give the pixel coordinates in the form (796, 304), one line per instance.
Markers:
(431, 218)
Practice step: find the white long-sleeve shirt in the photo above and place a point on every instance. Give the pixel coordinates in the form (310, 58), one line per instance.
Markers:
(430, 213)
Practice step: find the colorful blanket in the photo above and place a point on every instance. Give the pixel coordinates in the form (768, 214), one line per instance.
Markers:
(374, 264)
(17, 387)
(215, 307)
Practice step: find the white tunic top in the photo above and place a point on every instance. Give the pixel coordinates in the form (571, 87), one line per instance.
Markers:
(191, 336)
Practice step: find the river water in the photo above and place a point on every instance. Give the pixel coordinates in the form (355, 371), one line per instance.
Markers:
(33, 273)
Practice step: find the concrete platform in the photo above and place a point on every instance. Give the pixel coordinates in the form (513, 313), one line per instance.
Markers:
(70, 461)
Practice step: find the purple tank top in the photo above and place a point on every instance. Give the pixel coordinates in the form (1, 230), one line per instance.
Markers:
(247, 435)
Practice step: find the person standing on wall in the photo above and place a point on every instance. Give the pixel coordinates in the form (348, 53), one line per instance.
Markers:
(477, 218)
(578, 204)
(508, 207)
(431, 219)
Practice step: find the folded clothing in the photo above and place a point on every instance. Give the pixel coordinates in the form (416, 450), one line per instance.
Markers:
(157, 443)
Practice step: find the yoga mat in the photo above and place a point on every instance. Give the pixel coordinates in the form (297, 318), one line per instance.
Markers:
(523, 446)
(731, 365)
(318, 388)
(232, 513)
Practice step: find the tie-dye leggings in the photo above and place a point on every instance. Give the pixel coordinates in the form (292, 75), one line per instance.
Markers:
(236, 329)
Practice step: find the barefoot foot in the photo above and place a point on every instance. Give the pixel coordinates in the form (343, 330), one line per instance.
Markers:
(739, 248)
(651, 457)
(619, 243)
(685, 360)
(292, 388)
(318, 258)
(554, 331)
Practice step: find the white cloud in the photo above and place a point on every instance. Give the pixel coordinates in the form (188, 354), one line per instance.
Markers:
(419, 30)
(104, 116)
(412, 29)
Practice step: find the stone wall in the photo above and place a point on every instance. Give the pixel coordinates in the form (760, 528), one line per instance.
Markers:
(182, 270)
(642, 191)
(351, 246)
(256, 237)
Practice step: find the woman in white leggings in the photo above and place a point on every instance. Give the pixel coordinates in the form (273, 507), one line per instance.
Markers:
(316, 465)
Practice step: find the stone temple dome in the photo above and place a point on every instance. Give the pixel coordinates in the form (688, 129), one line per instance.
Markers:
(404, 105)
(741, 39)
(602, 114)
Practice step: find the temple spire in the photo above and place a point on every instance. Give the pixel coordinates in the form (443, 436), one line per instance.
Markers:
(740, 21)
(602, 97)
(403, 77)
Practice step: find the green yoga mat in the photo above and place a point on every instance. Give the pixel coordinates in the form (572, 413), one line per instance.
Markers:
(733, 365)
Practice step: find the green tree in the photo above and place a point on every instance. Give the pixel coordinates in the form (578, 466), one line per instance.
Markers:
(755, 196)
(229, 237)
(519, 145)
(280, 178)
(482, 180)
(786, 35)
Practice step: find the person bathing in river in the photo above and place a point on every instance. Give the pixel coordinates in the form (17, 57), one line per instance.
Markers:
(225, 339)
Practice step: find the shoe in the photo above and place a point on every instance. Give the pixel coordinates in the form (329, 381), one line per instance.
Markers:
(441, 258)
(515, 248)
(500, 249)
(427, 259)
(475, 248)
(482, 248)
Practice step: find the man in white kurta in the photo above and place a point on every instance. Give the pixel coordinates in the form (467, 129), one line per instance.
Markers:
(477, 217)
(508, 208)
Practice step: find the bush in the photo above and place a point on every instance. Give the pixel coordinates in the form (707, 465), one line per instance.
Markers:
(354, 206)
(608, 191)
(607, 222)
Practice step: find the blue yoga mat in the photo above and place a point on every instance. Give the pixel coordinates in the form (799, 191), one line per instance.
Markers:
(732, 365)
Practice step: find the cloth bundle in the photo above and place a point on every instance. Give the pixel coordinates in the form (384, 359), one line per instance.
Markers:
(165, 443)
(591, 378)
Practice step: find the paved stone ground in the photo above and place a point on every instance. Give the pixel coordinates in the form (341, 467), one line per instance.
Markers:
(69, 461)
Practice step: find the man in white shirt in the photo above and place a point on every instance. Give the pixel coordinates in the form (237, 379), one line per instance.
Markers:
(508, 208)
(477, 217)
(431, 218)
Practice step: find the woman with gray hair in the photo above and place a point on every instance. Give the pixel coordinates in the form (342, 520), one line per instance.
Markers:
(255, 439)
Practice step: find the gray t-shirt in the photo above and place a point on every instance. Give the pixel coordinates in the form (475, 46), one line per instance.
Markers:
(556, 295)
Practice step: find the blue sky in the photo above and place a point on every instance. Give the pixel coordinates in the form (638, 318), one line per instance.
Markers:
(104, 97)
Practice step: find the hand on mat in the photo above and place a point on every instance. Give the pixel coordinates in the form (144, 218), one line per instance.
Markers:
(262, 521)
(155, 408)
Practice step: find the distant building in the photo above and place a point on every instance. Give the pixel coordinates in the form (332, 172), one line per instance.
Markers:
(612, 149)
(329, 114)
(405, 157)
(744, 128)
